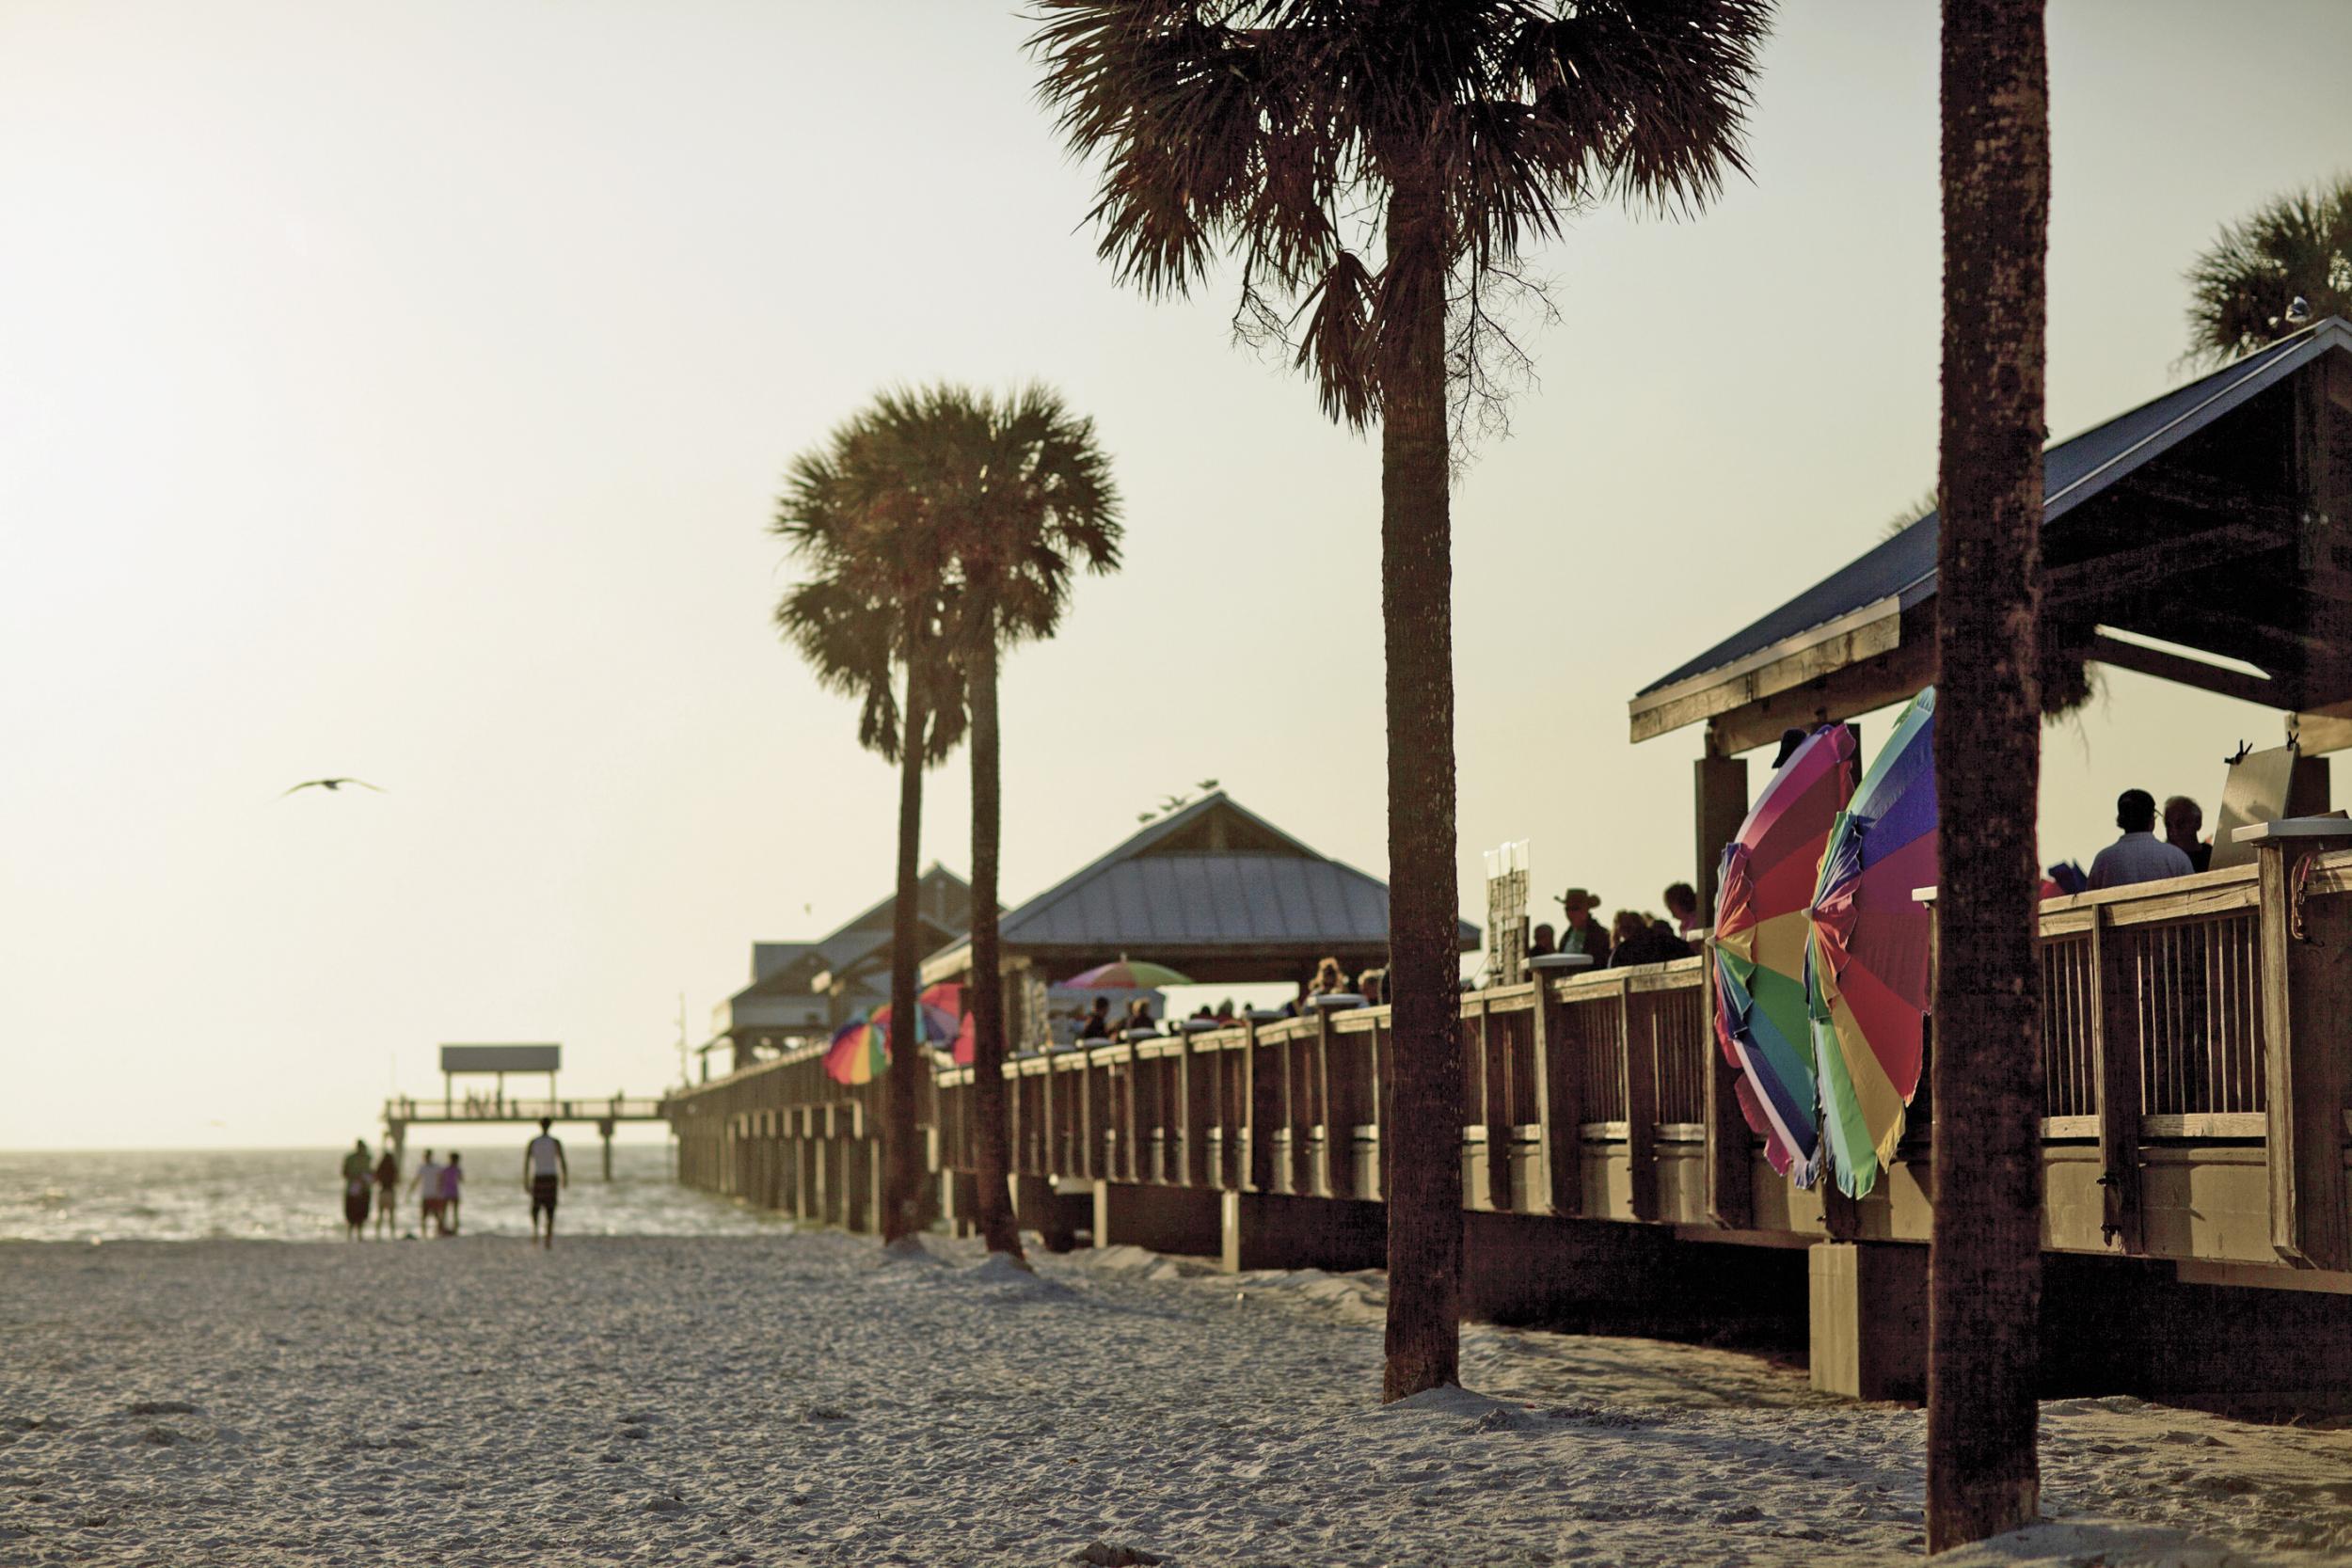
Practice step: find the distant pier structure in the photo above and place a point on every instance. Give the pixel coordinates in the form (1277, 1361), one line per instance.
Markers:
(480, 1108)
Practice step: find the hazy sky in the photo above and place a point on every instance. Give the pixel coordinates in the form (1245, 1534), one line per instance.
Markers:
(401, 390)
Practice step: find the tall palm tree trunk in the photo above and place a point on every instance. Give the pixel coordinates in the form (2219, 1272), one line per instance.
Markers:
(1417, 607)
(993, 1154)
(902, 1156)
(1985, 1263)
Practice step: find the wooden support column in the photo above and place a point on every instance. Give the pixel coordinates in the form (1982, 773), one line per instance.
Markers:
(1262, 1106)
(2306, 994)
(2115, 1081)
(1720, 789)
(1557, 1110)
(1641, 1105)
(1730, 1148)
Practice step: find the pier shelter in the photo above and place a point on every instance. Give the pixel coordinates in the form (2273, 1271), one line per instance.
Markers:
(2205, 538)
(2197, 1223)
(1212, 890)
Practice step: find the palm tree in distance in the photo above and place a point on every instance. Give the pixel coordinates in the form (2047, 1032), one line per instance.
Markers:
(1025, 497)
(1379, 166)
(871, 618)
(1984, 1267)
(2244, 286)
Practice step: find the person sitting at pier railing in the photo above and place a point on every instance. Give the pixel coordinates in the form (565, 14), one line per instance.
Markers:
(1581, 933)
(1139, 1023)
(2182, 819)
(2139, 855)
(1644, 939)
(1098, 1022)
(1331, 980)
(1682, 908)
(1540, 942)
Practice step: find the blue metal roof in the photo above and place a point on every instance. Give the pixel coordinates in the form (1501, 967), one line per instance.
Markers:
(1903, 568)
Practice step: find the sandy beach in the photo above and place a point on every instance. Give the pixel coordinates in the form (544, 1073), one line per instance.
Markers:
(800, 1399)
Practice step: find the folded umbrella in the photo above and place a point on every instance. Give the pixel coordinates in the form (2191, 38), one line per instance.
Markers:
(1763, 927)
(1871, 950)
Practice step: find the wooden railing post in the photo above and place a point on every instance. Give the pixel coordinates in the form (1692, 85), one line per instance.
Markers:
(1641, 1106)
(1730, 1154)
(1262, 1106)
(2306, 994)
(2115, 1059)
(1327, 1155)
(1494, 1110)
(1192, 1150)
(1557, 1097)
(1298, 1112)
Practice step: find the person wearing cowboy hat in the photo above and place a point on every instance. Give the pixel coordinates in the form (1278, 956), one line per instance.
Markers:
(1581, 933)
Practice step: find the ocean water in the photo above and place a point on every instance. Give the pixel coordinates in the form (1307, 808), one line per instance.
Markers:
(297, 1195)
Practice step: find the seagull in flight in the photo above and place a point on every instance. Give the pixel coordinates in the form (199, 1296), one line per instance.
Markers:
(330, 784)
(1206, 784)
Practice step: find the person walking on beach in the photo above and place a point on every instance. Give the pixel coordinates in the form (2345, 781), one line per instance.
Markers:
(544, 1173)
(357, 1175)
(452, 1176)
(387, 1190)
(427, 1184)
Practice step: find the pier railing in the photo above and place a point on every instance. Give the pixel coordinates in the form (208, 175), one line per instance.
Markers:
(2197, 1034)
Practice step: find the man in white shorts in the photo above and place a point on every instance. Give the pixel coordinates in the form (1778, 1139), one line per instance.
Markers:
(544, 1173)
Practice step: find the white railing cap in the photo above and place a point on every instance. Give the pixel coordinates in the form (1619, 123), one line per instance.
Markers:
(1332, 1000)
(2294, 827)
(1560, 961)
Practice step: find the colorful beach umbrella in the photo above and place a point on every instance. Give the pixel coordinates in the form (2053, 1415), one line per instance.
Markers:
(1871, 951)
(940, 1018)
(1763, 926)
(860, 1052)
(1127, 974)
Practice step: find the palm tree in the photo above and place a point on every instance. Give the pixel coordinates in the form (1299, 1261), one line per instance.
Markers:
(1025, 496)
(1985, 1257)
(874, 607)
(2242, 288)
(1444, 137)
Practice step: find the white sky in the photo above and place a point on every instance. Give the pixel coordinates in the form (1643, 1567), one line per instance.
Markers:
(401, 390)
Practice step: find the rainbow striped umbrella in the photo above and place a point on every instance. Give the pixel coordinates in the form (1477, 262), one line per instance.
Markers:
(860, 1052)
(1763, 925)
(1870, 951)
(940, 1018)
(1127, 974)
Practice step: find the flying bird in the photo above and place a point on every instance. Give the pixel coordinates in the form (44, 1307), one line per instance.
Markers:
(1205, 783)
(330, 784)
(1170, 803)
(1146, 816)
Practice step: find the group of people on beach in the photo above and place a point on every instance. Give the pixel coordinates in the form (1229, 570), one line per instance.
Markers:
(375, 1186)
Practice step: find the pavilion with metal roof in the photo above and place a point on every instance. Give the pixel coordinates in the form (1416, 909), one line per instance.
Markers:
(1212, 890)
(2204, 537)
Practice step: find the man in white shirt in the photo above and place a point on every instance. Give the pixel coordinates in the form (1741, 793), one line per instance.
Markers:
(545, 1170)
(426, 1184)
(2139, 855)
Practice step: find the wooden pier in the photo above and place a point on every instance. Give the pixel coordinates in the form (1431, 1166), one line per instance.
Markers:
(2199, 1074)
(402, 1113)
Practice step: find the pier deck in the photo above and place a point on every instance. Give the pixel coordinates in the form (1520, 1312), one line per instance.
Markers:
(402, 1113)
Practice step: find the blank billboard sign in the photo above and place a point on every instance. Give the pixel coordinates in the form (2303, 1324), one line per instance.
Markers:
(501, 1058)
